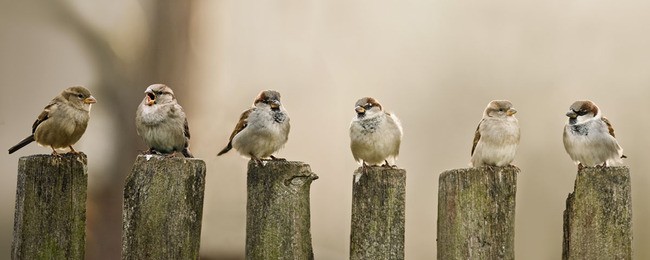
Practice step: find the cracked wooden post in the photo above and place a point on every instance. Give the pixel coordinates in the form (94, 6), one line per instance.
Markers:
(278, 217)
(378, 205)
(598, 215)
(476, 213)
(50, 216)
(163, 207)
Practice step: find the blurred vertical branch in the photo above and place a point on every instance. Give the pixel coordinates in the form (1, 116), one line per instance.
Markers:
(121, 84)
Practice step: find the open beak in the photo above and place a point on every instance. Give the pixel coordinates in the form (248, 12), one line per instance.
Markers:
(360, 110)
(150, 98)
(571, 114)
(90, 100)
(511, 111)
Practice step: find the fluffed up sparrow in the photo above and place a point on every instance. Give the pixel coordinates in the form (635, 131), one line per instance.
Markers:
(161, 122)
(262, 130)
(497, 135)
(375, 135)
(62, 122)
(589, 137)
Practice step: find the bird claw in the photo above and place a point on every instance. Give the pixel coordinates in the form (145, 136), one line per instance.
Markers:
(277, 158)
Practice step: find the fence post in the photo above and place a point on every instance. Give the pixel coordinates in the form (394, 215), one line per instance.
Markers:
(378, 205)
(163, 207)
(278, 217)
(50, 216)
(476, 213)
(598, 215)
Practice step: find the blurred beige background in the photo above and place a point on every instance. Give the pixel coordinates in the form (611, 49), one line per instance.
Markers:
(436, 64)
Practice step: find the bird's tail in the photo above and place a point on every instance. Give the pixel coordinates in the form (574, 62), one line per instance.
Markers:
(226, 149)
(22, 144)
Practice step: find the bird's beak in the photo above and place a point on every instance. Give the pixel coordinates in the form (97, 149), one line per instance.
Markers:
(571, 114)
(511, 111)
(360, 110)
(150, 98)
(90, 100)
(275, 104)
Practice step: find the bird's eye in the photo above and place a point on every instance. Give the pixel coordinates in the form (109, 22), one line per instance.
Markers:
(80, 95)
(368, 106)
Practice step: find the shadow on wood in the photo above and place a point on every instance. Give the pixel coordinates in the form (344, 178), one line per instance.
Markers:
(278, 217)
(378, 204)
(598, 215)
(476, 213)
(163, 208)
(50, 217)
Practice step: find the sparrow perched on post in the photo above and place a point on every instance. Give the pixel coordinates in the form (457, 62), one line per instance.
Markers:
(262, 130)
(375, 135)
(497, 135)
(589, 137)
(62, 122)
(161, 122)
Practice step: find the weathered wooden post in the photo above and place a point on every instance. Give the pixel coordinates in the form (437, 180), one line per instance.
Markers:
(598, 215)
(163, 208)
(476, 213)
(50, 217)
(378, 205)
(278, 217)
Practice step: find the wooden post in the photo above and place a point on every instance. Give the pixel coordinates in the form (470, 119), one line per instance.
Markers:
(598, 215)
(50, 217)
(278, 218)
(163, 207)
(476, 213)
(378, 205)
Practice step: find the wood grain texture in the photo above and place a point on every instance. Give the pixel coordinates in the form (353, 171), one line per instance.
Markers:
(598, 215)
(278, 211)
(50, 216)
(163, 208)
(378, 213)
(476, 213)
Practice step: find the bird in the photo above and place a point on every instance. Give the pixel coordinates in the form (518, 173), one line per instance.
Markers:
(497, 136)
(262, 130)
(161, 122)
(62, 122)
(589, 137)
(375, 135)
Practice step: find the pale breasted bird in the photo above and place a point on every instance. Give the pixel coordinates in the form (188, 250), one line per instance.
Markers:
(262, 130)
(375, 135)
(62, 122)
(497, 135)
(589, 137)
(161, 122)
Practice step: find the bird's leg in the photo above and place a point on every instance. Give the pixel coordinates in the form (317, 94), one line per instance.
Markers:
(171, 155)
(277, 159)
(258, 162)
(388, 164)
(72, 151)
(54, 153)
(364, 167)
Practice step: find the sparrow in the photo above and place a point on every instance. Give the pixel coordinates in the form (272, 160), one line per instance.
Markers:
(62, 122)
(497, 135)
(375, 135)
(589, 137)
(262, 130)
(161, 122)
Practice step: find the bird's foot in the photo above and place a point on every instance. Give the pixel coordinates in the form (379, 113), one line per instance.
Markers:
(73, 151)
(257, 161)
(277, 158)
(388, 165)
(580, 166)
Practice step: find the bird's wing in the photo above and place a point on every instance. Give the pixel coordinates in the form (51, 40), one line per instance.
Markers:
(243, 122)
(44, 115)
(477, 136)
(609, 126)
(186, 129)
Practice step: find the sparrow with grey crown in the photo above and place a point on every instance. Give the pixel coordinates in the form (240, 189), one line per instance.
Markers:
(161, 122)
(262, 130)
(589, 137)
(62, 122)
(375, 135)
(497, 136)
